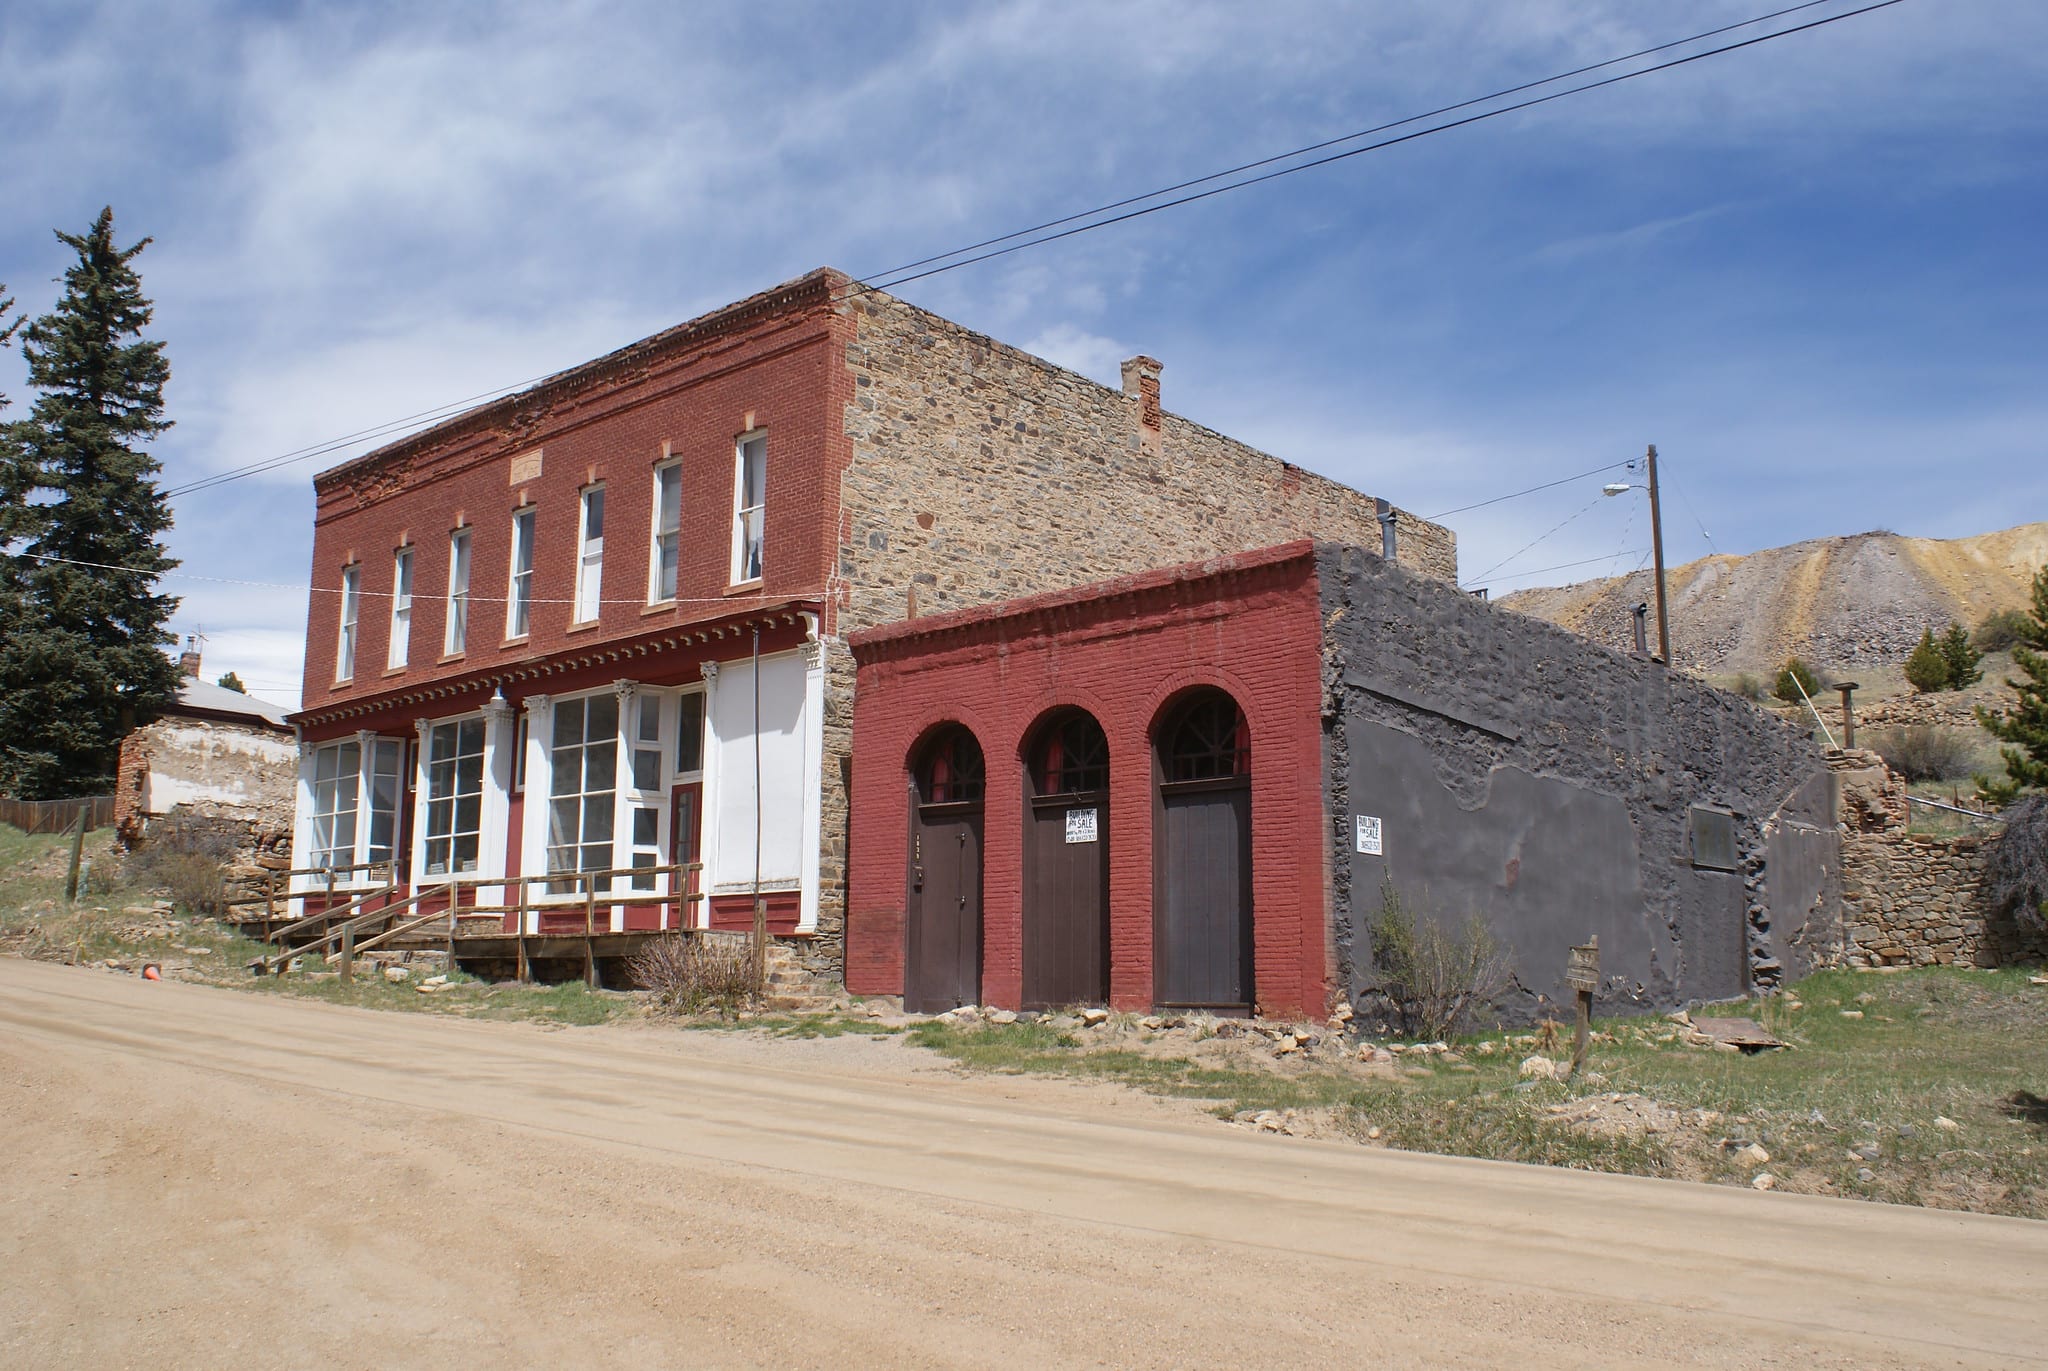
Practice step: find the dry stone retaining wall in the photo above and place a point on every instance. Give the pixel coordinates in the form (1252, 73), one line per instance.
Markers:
(1913, 900)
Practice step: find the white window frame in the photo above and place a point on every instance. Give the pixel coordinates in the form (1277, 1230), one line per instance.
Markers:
(553, 850)
(371, 805)
(663, 579)
(455, 636)
(435, 767)
(749, 521)
(336, 796)
(519, 579)
(401, 608)
(351, 607)
(589, 556)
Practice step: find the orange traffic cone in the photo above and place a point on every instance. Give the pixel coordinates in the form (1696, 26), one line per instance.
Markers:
(150, 973)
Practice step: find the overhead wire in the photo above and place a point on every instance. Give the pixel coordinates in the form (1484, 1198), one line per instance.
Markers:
(1344, 138)
(1538, 539)
(864, 288)
(968, 256)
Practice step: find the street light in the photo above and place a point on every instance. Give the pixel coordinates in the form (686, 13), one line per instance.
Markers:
(1657, 548)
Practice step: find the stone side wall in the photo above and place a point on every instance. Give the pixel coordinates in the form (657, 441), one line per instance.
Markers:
(1913, 900)
(982, 473)
(1943, 709)
(1526, 777)
(207, 769)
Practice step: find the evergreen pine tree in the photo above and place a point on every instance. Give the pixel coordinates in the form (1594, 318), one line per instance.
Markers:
(81, 625)
(2024, 727)
(1926, 668)
(1961, 659)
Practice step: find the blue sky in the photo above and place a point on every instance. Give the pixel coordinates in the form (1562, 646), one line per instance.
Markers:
(1812, 272)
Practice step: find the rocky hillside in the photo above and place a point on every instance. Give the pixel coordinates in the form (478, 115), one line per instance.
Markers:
(1834, 601)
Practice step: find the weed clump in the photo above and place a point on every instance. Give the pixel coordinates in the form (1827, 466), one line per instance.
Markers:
(1434, 979)
(692, 973)
(189, 860)
(1922, 752)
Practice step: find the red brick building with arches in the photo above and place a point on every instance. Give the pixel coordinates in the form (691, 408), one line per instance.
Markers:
(1202, 787)
(1147, 825)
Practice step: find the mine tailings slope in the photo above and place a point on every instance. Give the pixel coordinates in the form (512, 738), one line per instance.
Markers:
(1836, 601)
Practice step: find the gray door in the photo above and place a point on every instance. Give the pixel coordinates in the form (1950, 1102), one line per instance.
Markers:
(1204, 889)
(943, 963)
(1066, 901)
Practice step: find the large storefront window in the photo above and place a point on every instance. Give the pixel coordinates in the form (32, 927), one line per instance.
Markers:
(346, 831)
(337, 775)
(455, 796)
(582, 792)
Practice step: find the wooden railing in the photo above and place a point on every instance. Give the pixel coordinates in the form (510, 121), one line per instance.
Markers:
(277, 885)
(341, 941)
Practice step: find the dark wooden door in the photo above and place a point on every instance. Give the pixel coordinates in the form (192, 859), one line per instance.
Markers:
(1066, 901)
(943, 954)
(685, 829)
(1204, 926)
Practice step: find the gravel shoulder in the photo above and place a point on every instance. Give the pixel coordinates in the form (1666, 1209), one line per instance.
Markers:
(203, 1178)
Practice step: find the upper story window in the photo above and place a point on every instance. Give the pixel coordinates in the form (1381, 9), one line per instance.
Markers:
(457, 635)
(750, 506)
(589, 554)
(519, 597)
(668, 532)
(401, 607)
(345, 647)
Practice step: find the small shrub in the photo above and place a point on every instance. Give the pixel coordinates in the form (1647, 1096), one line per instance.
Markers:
(1750, 686)
(692, 973)
(1434, 979)
(2000, 629)
(2016, 868)
(1926, 669)
(1922, 752)
(189, 861)
(1791, 676)
(1963, 660)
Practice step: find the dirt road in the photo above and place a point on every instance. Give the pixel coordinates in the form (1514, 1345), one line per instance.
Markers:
(202, 1178)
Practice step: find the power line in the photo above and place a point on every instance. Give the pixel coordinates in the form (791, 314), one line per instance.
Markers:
(1344, 138)
(1384, 143)
(1538, 539)
(1547, 485)
(1563, 566)
(905, 274)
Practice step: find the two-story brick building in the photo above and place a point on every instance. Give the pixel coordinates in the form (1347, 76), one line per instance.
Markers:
(599, 625)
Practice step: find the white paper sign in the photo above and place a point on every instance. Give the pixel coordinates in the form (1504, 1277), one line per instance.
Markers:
(1080, 825)
(1369, 834)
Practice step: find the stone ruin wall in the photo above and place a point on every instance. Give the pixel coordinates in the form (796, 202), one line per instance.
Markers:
(212, 782)
(1910, 899)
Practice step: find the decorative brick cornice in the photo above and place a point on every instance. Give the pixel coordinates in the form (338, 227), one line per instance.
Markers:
(1063, 609)
(783, 614)
(389, 467)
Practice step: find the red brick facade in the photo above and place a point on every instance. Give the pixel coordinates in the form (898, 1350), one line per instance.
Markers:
(1125, 651)
(771, 364)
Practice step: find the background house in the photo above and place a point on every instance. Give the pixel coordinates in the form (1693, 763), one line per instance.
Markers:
(598, 626)
(216, 760)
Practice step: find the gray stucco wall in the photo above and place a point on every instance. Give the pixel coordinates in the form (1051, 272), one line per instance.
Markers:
(1544, 784)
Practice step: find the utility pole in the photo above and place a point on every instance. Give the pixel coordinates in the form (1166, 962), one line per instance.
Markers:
(1657, 549)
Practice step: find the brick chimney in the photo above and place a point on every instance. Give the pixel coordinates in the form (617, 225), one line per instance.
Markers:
(188, 660)
(1141, 384)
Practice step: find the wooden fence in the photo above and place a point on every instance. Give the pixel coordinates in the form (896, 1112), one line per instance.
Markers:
(56, 816)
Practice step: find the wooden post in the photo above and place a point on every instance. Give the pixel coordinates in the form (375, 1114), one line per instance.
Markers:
(348, 953)
(77, 854)
(1582, 975)
(269, 898)
(519, 941)
(760, 944)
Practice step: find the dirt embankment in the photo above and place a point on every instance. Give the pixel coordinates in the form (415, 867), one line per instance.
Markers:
(1834, 601)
